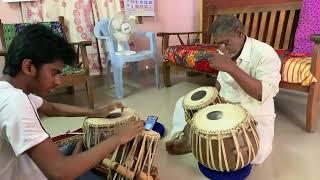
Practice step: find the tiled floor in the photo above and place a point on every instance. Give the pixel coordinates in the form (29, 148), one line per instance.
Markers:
(295, 153)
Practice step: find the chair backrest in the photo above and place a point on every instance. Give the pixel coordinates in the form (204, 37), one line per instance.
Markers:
(101, 31)
(9, 31)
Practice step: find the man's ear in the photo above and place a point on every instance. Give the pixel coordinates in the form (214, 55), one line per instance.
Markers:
(28, 68)
(239, 32)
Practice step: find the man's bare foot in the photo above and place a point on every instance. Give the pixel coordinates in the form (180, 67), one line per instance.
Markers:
(178, 146)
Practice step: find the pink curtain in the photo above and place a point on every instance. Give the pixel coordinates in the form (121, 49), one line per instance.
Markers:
(80, 17)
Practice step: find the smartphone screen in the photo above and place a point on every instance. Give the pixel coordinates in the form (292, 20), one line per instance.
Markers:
(150, 122)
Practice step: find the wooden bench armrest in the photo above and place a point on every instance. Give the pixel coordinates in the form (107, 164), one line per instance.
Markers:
(315, 66)
(83, 52)
(161, 34)
(166, 36)
(82, 43)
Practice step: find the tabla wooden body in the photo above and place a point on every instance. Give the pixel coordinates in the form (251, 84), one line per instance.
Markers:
(198, 99)
(224, 137)
(98, 129)
(137, 155)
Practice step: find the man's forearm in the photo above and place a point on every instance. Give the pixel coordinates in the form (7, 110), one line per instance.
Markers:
(57, 109)
(56, 166)
(86, 160)
(217, 85)
(250, 85)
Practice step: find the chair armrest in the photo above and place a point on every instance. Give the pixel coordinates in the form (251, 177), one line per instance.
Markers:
(3, 52)
(82, 43)
(152, 40)
(83, 51)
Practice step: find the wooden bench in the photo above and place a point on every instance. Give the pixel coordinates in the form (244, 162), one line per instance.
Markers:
(274, 24)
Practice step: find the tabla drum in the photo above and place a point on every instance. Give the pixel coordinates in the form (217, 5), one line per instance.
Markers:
(198, 99)
(137, 155)
(98, 129)
(224, 137)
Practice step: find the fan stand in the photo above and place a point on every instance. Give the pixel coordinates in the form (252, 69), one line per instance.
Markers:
(122, 52)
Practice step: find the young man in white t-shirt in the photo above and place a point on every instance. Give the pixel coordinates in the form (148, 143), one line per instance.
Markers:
(33, 67)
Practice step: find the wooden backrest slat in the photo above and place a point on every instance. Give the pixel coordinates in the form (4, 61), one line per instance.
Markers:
(248, 24)
(262, 29)
(288, 30)
(271, 27)
(281, 24)
(255, 26)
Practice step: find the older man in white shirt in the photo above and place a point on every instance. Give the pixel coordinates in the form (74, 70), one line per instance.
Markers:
(249, 74)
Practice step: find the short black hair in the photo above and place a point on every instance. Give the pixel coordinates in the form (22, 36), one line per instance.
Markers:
(225, 24)
(39, 44)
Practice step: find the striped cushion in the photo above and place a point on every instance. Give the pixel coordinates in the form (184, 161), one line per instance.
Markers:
(297, 70)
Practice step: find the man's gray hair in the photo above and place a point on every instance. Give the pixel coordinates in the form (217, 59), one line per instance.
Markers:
(225, 24)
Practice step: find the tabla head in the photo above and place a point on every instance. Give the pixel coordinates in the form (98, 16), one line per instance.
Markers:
(200, 97)
(98, 129)
(114, 117)
(219, 117)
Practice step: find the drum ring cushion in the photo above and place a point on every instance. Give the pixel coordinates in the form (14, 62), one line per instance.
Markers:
(158, 127)
(240, 174)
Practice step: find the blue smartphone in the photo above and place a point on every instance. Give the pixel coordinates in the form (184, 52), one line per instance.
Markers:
(150, 122)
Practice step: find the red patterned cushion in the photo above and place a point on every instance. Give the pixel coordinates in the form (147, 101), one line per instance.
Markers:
(196, 57)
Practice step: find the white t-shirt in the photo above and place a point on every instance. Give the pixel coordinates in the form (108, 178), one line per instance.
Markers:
(20, 129)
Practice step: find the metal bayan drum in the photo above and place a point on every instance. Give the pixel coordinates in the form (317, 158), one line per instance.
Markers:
(224, 137)
(198, 99)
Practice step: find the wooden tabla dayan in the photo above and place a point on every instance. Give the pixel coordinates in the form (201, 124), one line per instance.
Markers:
(137, 155)
(98, 129)
(224, 137)
(198, 99)
(141, 152)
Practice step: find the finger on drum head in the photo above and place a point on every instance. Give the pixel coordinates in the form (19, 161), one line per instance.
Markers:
(67, 132)
(137, 123)
(119, 105)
